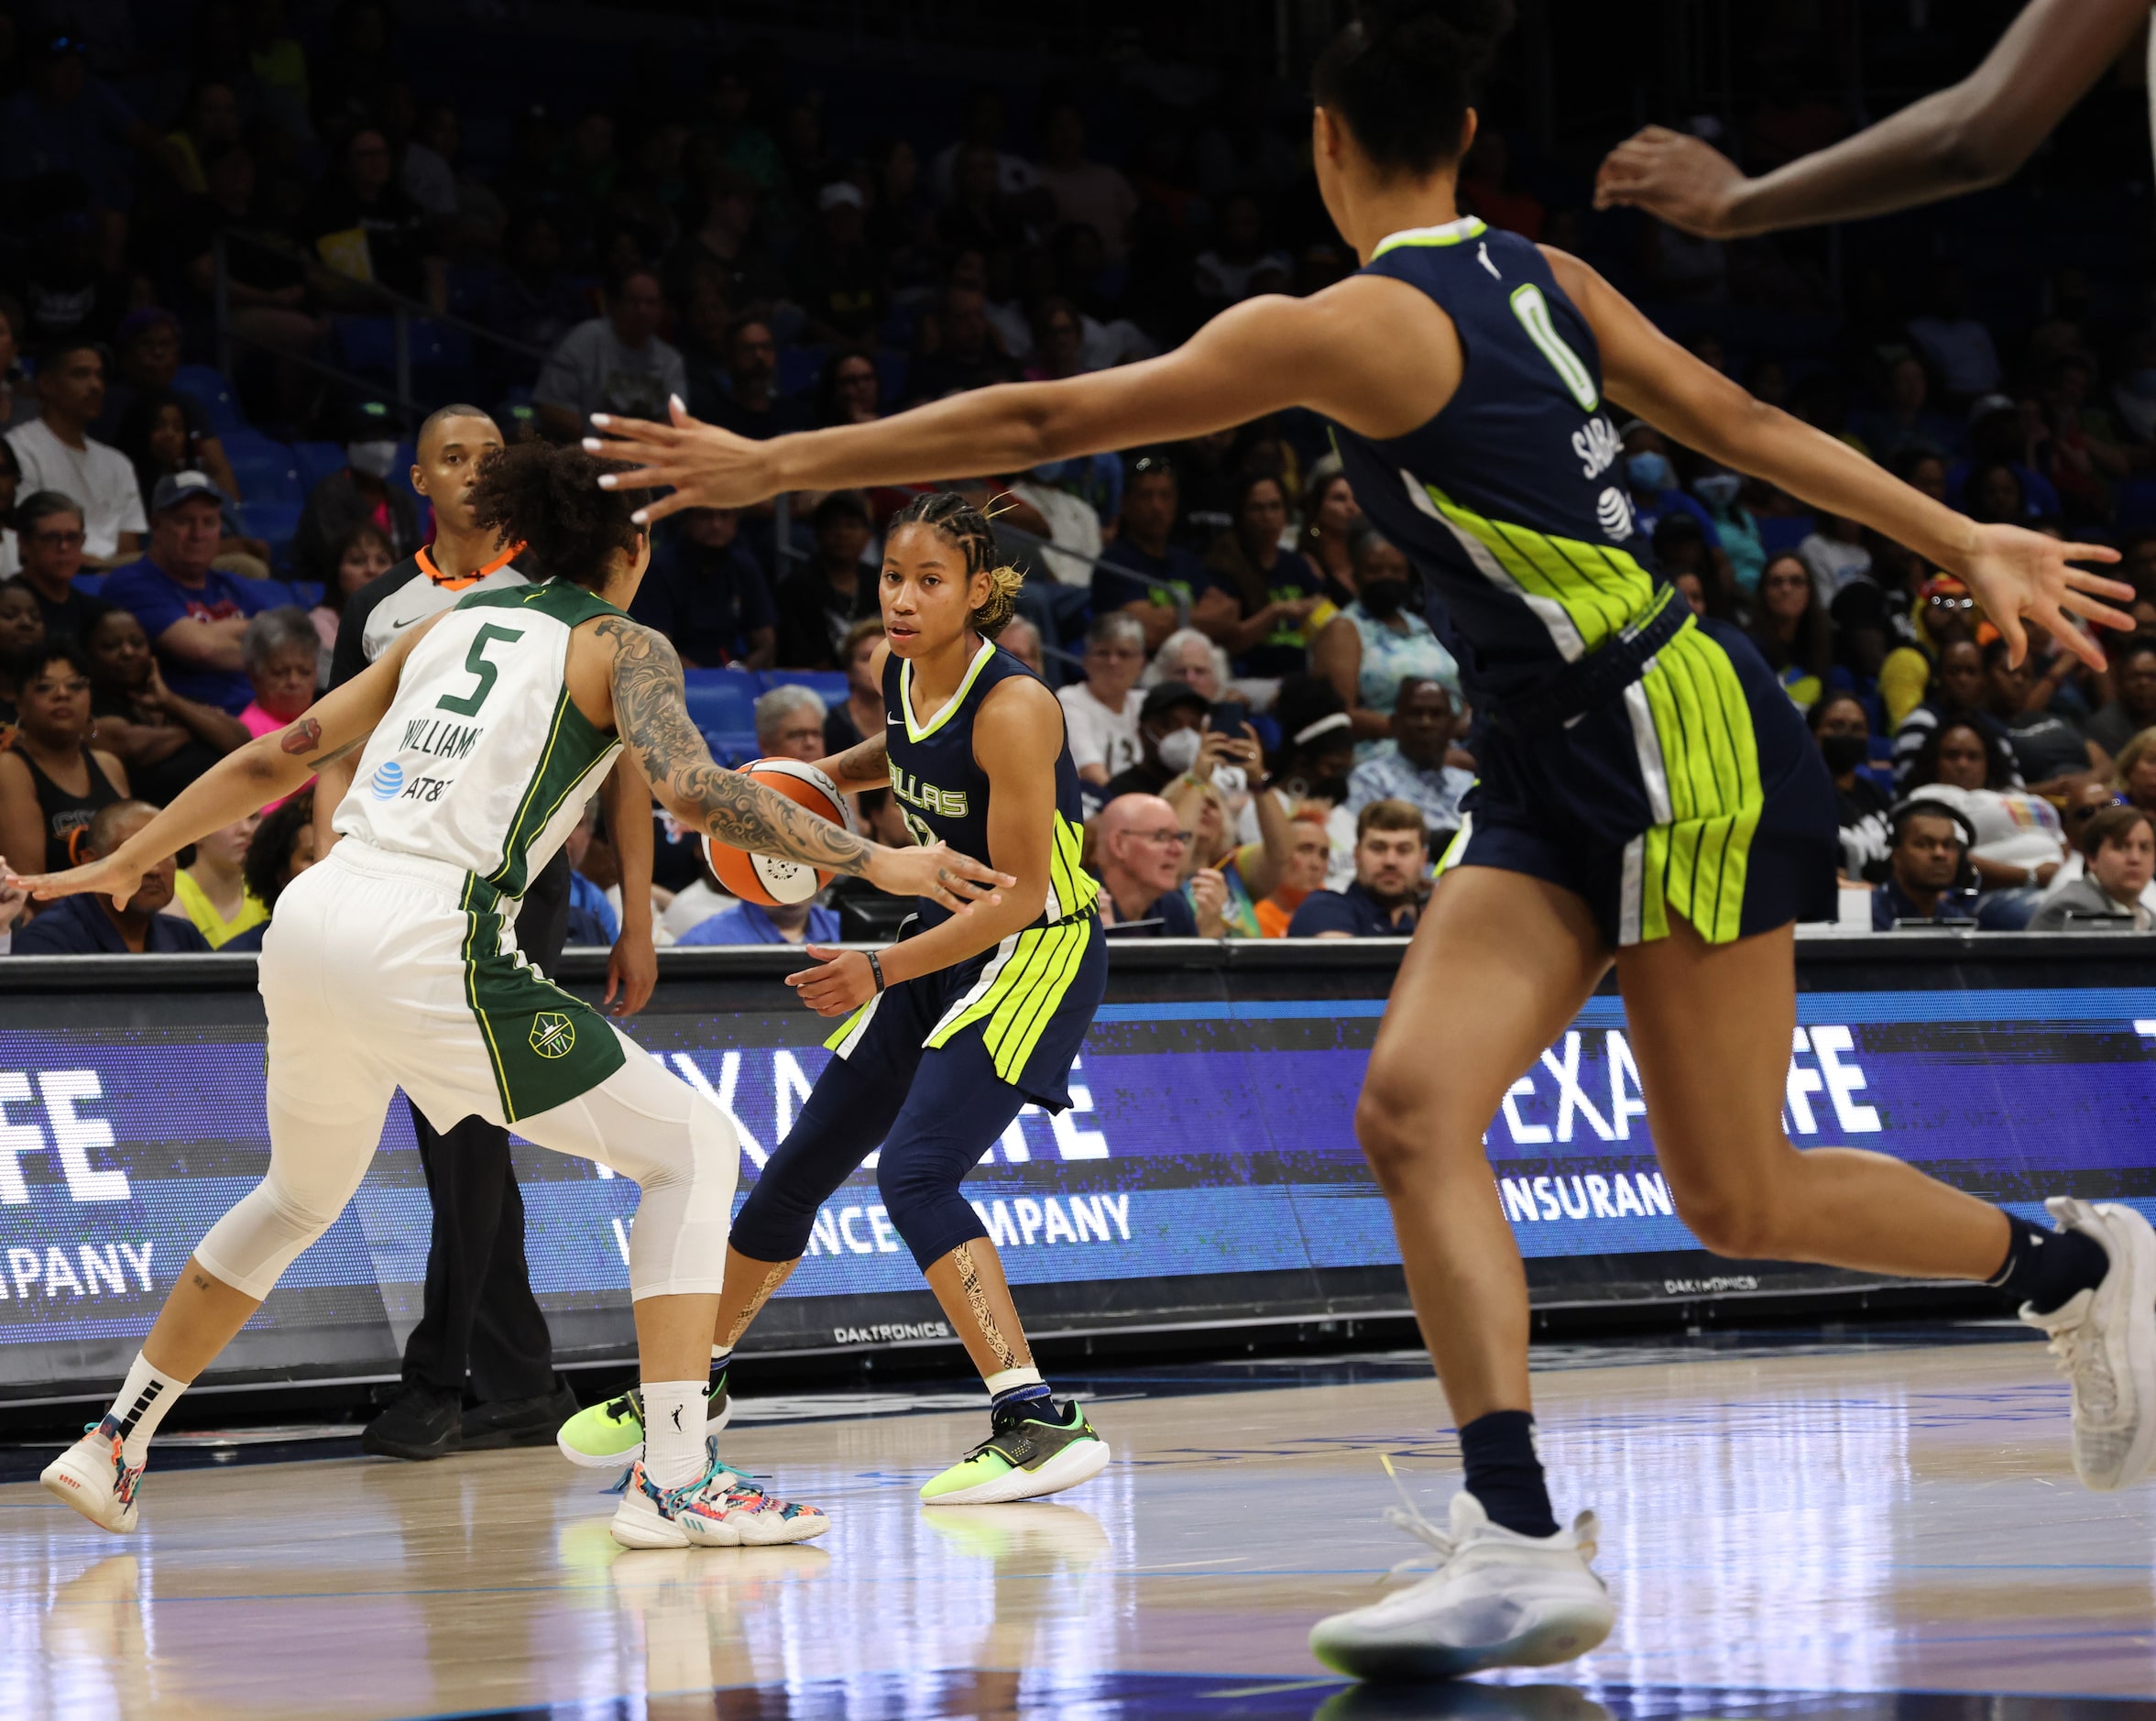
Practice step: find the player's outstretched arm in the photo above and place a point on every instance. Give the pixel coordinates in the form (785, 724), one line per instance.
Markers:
(266, 769)
(2013, 573)
(651, 716)
(1375, 354)
(1970, 134)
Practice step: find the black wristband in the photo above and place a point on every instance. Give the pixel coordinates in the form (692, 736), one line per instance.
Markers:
(876, 969)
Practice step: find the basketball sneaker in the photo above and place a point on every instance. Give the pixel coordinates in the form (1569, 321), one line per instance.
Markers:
(722, 1509)
(96, 1478)
(611, 1434)
(1496, 1599)
(2105, 1340)
(1032, 1449)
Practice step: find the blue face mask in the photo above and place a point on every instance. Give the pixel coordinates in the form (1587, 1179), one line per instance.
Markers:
(1648, 471)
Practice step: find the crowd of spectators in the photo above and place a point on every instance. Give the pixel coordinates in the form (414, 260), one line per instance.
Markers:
(1270, 736)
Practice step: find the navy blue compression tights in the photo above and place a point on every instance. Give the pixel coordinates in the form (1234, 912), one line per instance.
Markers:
(934, 1130)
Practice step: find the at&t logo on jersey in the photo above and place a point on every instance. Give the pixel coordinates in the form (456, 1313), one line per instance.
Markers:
(388, 781)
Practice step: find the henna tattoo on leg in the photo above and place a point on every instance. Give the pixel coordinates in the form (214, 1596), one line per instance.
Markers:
(977, 1301)
(772, 1281)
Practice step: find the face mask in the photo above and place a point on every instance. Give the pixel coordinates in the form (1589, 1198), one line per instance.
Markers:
(1384, 600)
(1179, 749)
(1845, 753)
(1648, 471)
(1718, 489)
(376, 460)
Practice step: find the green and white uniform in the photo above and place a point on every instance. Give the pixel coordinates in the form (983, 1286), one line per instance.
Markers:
(394, 963)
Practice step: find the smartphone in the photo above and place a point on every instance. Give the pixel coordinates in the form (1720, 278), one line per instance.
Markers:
(1230, 718)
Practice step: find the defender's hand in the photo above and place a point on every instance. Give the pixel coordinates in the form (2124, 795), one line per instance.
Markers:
(114, 877)
(940, 873)
(2015, 573)
(706, 467)
(632, 969)
(1681, 180)
(842, 985)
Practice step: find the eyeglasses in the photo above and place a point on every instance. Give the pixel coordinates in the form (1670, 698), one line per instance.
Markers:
(58, 540)
(2094, 807)
(1180, 838)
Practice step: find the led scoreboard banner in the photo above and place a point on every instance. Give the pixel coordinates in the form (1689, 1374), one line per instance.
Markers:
(1206, 1173)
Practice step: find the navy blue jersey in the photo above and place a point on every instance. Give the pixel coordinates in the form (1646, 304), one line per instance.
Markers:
(1508, 500)
(944, 792)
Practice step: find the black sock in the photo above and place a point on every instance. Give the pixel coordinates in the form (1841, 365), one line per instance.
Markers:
(2046, 1269)
(1505, 1474)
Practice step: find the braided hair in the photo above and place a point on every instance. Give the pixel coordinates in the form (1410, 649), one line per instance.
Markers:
(947, 512)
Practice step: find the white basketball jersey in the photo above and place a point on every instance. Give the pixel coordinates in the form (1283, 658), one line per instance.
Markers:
(483, 761)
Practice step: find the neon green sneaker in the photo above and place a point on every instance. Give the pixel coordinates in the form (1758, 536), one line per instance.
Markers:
(1026, 1455)
(611, 1435)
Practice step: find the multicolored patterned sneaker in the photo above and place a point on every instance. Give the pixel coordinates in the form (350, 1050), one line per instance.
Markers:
(722, 1509)
(611, 1434)
(96, 1478)
(1034, 1449)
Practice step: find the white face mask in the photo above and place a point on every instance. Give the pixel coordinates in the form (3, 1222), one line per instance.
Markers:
(1179, 749)
(377, 460)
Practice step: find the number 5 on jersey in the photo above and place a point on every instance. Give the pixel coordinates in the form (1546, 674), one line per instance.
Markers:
(468, 705)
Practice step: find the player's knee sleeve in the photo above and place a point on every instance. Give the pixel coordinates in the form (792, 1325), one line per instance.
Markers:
(314, 1166)
(920, 1194)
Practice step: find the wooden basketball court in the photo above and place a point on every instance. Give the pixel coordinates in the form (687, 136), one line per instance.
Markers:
(1790, 1530)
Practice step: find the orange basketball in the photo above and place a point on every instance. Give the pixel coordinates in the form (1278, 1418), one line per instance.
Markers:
(764, 879)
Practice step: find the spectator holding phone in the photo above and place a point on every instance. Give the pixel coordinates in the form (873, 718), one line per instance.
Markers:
(1378, 644)
(1384, 901)
(1171, 729)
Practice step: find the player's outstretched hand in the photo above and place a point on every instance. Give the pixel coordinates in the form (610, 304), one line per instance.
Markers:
(940, 873)
(843, 982)
(2014, 573)
(706, 467)
(1679, 178)
(112, 878)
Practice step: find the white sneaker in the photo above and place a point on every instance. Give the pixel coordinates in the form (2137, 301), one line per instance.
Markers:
(96, 1478)
(2105, 1340)
(1497, 1599)
(722, 1509)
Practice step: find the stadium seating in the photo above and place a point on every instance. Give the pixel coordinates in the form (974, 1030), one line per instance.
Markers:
(206, 386)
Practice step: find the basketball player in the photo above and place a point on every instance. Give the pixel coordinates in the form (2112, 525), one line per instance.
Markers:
(1971, 134)
(950, 1032)
(1647, 792)
(483, 732)
(479, 1316)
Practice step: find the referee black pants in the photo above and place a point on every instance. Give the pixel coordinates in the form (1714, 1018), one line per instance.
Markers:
(480, 1318)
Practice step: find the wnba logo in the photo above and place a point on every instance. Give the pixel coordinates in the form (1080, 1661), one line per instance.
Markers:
(387, 780)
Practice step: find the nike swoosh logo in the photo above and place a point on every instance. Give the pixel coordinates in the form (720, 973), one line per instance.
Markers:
(890, 720)
(399, 627)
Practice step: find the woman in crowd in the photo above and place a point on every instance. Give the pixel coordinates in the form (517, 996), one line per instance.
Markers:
(861, 713)
(1100, 713)
(1189, 656)
(282, 849)
(11, 482)
(1379, 640)
(213, 892)
(51, 780)
(1721, 493)
(366, 554)
(1835, 553)
(22, 633)
(2020, 843)
(2133, 773)
(1844, 731)
(1791, 626)
(2118, 851)
(279, 651)
(1329, 520)
(849, 391)
(1262, 597)
(165, 741)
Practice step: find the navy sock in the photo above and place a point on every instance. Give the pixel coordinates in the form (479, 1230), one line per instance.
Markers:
(1035, 1394)
(1505, 1474)
(2046, 1269)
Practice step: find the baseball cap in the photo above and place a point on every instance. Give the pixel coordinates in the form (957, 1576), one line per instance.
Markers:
(176, 488)
(840, 191)
(1172, 695)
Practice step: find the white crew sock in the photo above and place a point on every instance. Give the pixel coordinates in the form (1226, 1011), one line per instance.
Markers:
(141, 1406)
(673, 1431)
(1009, 1380)
(719, 1353)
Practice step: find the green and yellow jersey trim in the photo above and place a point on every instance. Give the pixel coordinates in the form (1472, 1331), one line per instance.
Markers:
(921, 732)
(1452, 233)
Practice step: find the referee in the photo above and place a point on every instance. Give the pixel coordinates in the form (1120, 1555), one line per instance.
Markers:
(480, 1317)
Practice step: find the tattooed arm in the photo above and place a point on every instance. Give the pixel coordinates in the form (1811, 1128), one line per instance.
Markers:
(864, 765)
(266, 769)
(651, 716)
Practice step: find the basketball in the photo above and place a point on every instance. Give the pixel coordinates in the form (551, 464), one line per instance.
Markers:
(763, 879)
